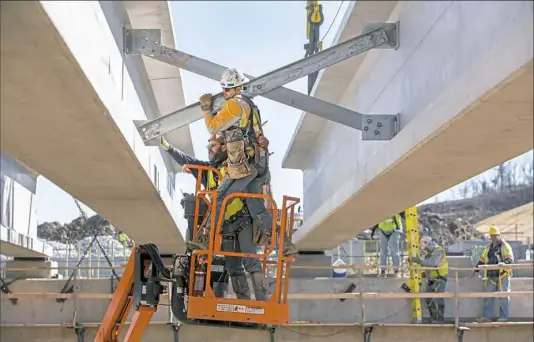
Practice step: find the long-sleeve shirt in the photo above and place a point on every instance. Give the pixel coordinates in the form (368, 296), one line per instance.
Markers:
(495, 253)
(182, 159)
(434, 259)
(230, 114)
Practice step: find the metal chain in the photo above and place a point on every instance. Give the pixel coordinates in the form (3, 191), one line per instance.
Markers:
(107, 259)
(83, 214)
(67, 288)
(85, 217)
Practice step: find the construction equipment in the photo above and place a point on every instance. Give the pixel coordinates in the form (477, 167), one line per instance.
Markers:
(373, 127)
(412, 238)
(194, 274)
(314, 20)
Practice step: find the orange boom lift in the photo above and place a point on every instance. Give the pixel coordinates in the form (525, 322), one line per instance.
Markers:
(193, 298)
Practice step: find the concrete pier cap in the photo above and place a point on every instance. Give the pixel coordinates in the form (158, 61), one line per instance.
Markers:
(462, 82)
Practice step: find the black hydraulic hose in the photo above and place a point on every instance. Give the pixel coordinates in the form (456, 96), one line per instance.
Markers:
(153, 252)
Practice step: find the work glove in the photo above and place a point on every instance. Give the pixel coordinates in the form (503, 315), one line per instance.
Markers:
(416, 259)
(206, 103)
(164, 144)
(263, 141)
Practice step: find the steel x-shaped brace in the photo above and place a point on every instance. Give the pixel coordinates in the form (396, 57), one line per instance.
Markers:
(147, 42)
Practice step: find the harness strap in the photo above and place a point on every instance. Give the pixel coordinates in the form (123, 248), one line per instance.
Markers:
(241, 213)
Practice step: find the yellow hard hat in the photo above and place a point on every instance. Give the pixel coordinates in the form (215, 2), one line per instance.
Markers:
(494, 231)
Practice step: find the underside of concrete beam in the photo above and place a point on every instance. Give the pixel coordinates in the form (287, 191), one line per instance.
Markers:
(67, 111)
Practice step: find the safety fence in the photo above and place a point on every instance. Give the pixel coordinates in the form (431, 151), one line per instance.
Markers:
(456, 296)
(367, 252)
(92, 265)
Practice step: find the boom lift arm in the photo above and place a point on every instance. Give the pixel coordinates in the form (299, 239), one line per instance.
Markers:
(135, 289)
(194, 299)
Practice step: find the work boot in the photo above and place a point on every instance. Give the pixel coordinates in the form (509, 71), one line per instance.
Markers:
(290, 249)
(202, 243)
(382, 274)
(260, 292)
(396, 274)
(483, 320)
(240, 286)
(193, 245)
(502, 319)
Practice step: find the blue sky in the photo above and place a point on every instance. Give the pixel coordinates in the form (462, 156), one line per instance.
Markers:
(253, 36)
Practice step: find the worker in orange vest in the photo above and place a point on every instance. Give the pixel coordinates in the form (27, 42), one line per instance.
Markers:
(239, 121)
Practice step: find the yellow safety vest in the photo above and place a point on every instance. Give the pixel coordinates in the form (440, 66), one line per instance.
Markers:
(235, 205)
(123, 237)
(245, 121)
(506, 250)
(443, 267)
(389, 224)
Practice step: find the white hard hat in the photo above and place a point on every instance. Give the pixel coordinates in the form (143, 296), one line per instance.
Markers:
(232, 78)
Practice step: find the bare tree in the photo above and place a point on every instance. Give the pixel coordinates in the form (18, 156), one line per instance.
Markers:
(475, 187)
(464, 190)
(527, 170)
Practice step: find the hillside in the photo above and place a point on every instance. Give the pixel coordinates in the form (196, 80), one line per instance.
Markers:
(444, 220)
(450, 219)
(515, 224)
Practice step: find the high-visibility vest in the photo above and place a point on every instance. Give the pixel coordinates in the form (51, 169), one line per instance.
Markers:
(235, 205)
(443, 267)
(506, 252)
(253, 118)
(389, 225)
(123, 237)
(250, 122)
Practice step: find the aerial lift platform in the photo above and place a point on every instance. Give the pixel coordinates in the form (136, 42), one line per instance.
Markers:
(194, 274)
(193, 298)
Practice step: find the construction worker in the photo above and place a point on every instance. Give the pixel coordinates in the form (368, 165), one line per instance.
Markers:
(435, 256)
(237, 229)
(389, 237)
(239, 122)
(125, 240)
(498, 252)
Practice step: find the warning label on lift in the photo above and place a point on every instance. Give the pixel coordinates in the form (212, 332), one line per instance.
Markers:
(240, 309)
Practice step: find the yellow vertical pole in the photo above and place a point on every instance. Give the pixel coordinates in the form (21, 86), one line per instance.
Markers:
(412, 237)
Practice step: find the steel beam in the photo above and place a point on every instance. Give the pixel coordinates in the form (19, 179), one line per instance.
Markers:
(147, 42)
(282, 95)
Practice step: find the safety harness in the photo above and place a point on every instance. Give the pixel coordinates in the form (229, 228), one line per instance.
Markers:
(213, 181)
(242, 142)
(492, 256)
